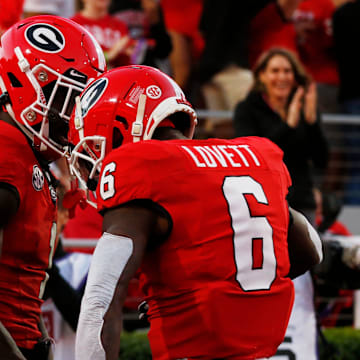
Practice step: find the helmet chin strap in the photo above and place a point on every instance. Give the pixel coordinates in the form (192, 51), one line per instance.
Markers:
(44, 130)
(78, 120)
(138, 127)
(25, 68)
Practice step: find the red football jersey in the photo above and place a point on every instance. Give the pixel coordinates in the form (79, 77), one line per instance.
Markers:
(28, 240)
(217, 287)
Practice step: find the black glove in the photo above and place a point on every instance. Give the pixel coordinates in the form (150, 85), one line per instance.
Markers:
(65, 297)
(39, 352)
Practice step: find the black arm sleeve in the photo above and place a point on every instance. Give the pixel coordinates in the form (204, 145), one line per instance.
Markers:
(66, 299)
(9, 202)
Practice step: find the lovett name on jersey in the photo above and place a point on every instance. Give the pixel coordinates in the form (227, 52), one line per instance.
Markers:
(222, 156)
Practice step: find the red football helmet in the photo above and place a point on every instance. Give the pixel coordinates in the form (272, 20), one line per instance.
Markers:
(45, 62)
(125, 105)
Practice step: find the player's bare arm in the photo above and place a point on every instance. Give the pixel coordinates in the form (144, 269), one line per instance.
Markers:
(127, 230)
(304, 244)
(8, 347)
(121, 222)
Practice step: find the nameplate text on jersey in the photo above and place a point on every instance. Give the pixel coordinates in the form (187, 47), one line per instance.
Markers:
(222, 156)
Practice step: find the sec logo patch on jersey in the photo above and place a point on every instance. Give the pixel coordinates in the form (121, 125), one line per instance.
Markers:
(37, 178)
(45, 37)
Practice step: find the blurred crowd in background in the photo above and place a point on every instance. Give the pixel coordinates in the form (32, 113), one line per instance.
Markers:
(276, 65)
(211, 48)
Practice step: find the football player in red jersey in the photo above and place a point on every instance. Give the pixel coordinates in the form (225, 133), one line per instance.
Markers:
(206, 221)
(45, 62)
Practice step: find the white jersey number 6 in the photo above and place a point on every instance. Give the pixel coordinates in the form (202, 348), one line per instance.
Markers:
(248, 231)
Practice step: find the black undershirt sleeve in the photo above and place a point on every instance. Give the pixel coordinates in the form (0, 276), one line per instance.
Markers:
(9, 202)
(65, 297)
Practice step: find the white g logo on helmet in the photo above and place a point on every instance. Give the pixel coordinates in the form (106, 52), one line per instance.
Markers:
(45, 37)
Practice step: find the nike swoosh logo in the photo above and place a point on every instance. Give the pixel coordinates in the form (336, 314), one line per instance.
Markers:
(76, 74)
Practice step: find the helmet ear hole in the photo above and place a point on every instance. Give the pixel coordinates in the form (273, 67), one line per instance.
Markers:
(181, 120)
(117, 138)
(123, 121)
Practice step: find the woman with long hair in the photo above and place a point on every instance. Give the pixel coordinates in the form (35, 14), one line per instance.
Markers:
(282, 106)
